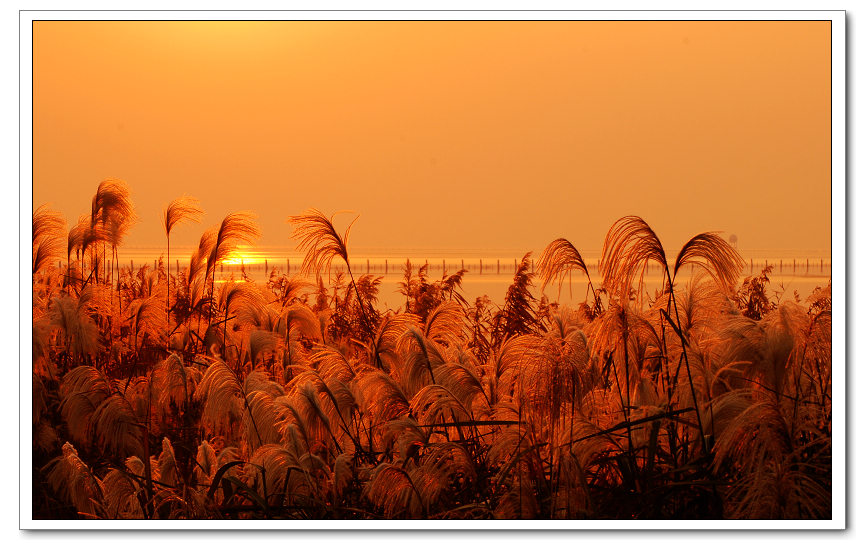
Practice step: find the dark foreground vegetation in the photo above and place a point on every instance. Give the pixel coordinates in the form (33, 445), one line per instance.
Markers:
(163, 395)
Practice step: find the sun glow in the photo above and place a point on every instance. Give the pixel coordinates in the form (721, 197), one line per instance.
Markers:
(244, 257)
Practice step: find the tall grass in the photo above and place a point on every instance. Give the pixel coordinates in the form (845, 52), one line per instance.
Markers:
(295, 399)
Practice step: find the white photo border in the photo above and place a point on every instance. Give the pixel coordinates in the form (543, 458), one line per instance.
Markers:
(839, 264)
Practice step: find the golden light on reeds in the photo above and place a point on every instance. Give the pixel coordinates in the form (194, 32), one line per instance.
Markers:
(201, 386)
(304, 404)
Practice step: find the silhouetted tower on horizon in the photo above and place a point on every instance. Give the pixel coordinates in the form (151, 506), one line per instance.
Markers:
(734, 240)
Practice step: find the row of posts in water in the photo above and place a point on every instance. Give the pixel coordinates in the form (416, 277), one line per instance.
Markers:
(498, 267)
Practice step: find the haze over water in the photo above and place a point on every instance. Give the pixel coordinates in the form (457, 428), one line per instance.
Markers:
(484, 135)
(456, 145)
(489, 272)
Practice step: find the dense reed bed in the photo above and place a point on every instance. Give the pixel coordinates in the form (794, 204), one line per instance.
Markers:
(163, 395)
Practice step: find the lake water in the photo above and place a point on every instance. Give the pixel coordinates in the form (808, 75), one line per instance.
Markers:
(488, 272)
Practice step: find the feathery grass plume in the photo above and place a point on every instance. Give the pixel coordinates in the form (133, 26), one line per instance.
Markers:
(112, 209)
(75, 237)
(405, 436)
(180, 210)
(45, 437)
(236, 228)
(537, 381)
(298, 322)
(623, 324)
(112, 200)
(283, 476)
(339, 403)
(412, 492)
(435, 404)
(319, 240)
(81, 391)
(73, 482)
(820, 300)
(446, 470)
(559, 258)
(520, 502)
(295, 433)
(242, 300)
(93, 235)
(779, 472)
(816, 360)
(262, 419)
(384, 344)
(629, 246)
(779, 336)
(464, 384)
(138, 391)
(222, 396)
(321, 243)
(392, 490)
(40, 398)
(367, 288)
(175, 383)
(287, 290)
(703, 307)
(260, 380)
(343, 474)
(49, 227)
(261, 342)
(198, 261)
(148, 322)
(385, 399)
(446, 324)
(451, 287)
(518, 316)
(563, 323)
(562, 374)
(205, 463)
(112, 213)
(84, 235)
(41, 346)
(168, 474)
(331, 363)
(313, 415)
(121, 496)
(420, 357)
(116, 428)
(501, 373)
(238, 301)
(715, 255)
(332, 381)
(623, 338)
(81, 338)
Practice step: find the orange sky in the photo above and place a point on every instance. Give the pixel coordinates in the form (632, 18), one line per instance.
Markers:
(501, 135)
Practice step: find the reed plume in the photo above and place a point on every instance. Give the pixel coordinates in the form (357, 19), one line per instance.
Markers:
(715, 255)
(48, 230)
(558, 259)
(113, 212)
(236, 228)
(629, 246)
(314, 407)
(321, 243)
(180, 210)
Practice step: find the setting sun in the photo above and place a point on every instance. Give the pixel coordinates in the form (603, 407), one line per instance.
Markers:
(571, 271)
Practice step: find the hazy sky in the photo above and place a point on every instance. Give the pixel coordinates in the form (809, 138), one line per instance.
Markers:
(500, 135)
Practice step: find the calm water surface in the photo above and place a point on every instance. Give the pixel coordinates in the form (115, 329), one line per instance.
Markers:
(488, 272)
